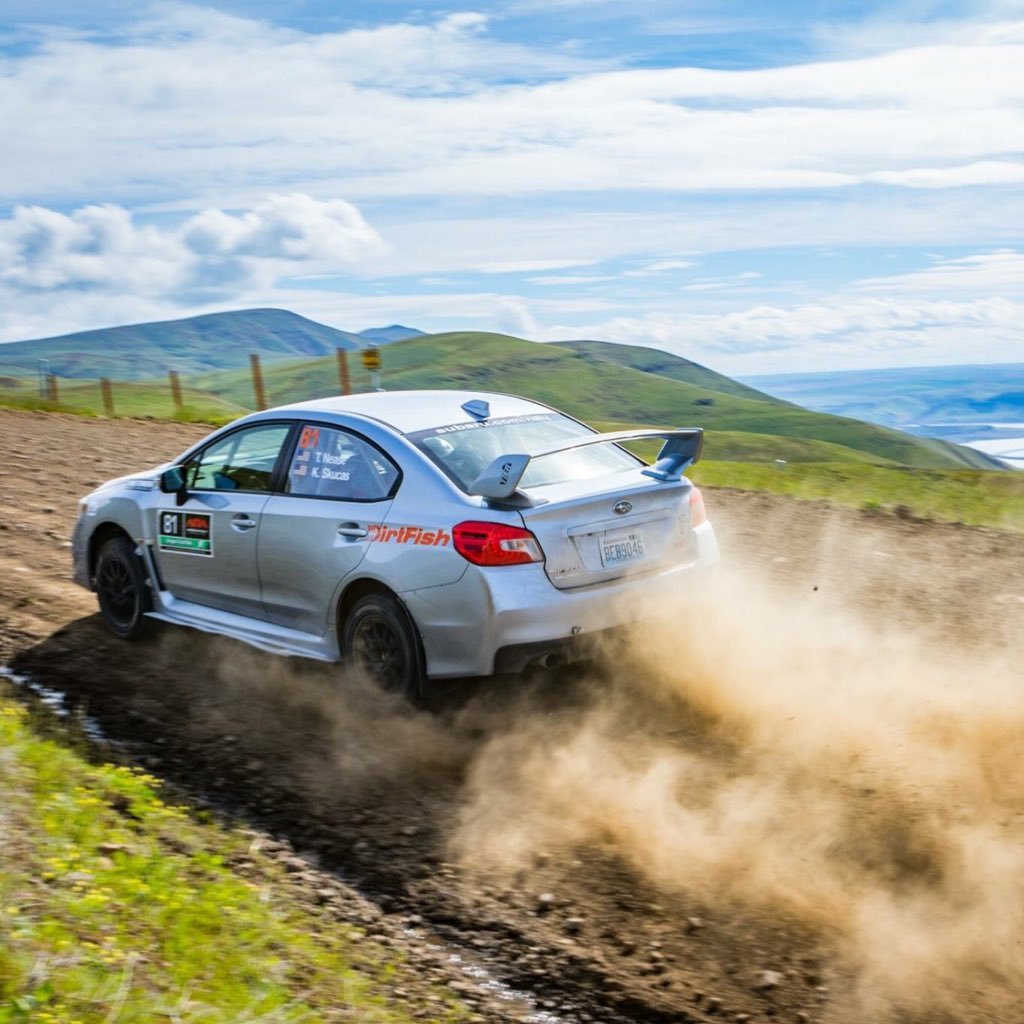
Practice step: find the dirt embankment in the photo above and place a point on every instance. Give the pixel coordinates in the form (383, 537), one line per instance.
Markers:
(796, 799)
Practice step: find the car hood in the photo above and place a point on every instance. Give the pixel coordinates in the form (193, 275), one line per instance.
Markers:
(146, 480)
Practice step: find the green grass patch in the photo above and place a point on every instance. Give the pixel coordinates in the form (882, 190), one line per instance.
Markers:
(115, 906)
(975, 497)
(131, 399)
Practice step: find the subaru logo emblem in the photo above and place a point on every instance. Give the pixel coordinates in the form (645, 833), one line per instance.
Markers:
(622, 507)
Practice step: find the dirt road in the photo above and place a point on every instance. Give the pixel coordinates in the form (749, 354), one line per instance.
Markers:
(799, 802)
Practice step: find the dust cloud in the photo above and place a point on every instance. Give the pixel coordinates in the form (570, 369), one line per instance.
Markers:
(764, 750)
(787, 754)
(322, 729)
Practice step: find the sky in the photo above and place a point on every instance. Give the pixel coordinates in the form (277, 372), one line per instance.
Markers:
(759, 187)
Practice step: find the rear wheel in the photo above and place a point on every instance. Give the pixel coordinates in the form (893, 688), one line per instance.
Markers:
(121, 590)
(380, 640)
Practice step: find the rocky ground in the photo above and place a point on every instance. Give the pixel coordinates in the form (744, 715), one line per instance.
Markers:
(377, 808)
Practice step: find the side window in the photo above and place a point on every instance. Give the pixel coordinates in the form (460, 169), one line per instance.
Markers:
(242, 461)
(331, 463)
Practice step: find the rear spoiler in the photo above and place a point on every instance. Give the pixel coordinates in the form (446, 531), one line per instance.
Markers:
(680, 451)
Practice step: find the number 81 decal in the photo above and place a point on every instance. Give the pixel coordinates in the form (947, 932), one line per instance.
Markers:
(185, 533)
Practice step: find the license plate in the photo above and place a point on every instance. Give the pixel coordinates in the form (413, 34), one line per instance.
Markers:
(621, 546)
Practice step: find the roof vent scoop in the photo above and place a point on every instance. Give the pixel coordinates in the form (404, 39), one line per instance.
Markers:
(477, 408)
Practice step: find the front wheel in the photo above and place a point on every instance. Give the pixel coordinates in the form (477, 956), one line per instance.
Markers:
(121, 590)
(380, 640)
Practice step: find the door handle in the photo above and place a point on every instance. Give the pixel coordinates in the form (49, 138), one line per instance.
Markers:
(242, 522)
(352, 530)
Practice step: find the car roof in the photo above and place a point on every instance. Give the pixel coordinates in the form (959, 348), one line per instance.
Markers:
(409, 411)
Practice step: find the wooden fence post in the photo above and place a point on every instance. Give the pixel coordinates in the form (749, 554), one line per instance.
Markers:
(343, 377)
(179, 403)
(51, 387)
(108, 397)
(257, 381)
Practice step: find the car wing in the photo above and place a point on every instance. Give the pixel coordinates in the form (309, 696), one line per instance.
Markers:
(681, 450)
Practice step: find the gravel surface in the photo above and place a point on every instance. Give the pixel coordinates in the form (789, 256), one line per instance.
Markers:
(373, 806)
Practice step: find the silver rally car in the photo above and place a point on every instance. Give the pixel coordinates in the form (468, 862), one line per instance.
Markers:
(417, 534)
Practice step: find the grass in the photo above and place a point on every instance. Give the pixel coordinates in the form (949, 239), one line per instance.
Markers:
(116, 906)
(974, 497)
(150, 400)
(664, 364)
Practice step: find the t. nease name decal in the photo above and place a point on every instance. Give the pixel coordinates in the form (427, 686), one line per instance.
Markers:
(185, 533)
(301, 465)
(409, 535)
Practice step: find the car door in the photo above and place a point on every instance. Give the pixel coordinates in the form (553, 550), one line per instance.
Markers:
(337, 486)
(206, 548)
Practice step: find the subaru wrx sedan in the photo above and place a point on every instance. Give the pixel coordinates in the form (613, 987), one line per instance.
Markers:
(414, 534)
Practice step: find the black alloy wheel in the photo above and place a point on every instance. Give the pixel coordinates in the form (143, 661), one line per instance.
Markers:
(380, 640)
(121, 590)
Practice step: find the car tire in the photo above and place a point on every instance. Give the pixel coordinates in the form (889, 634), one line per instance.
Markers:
(122, 590)
(380, 641)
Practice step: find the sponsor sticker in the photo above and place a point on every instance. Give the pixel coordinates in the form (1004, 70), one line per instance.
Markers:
(497, 421)
(409, 535)
(186, 533)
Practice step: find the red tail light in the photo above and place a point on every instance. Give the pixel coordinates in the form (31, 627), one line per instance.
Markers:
(697, 513)
(495, 544)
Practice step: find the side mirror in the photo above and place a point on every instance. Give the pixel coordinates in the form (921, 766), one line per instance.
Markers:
(172, 481)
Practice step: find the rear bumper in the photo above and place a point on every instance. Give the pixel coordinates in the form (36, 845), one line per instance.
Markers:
(501, 619)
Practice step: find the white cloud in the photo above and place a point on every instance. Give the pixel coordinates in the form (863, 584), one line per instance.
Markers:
(507, 159)
(50, 259)
(530, 266)
(551, 280)
(988, 172)
(840, 333)
(547, 232)
(291, 227)
(230, 104)
(993, 273)
(659, 267)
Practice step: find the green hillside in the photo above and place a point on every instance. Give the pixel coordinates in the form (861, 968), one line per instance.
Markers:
(651, 360)
(592, 383)
(194, 345)
(594, 389)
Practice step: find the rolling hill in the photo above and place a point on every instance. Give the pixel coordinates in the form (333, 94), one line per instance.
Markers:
(194, 345)
(651, 360)
(596, 381)
(606, 390)
(386, 335)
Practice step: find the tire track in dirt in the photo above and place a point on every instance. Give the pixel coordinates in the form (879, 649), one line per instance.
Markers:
(376, 792)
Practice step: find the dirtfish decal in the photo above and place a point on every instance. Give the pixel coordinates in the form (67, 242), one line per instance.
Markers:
(409, 535)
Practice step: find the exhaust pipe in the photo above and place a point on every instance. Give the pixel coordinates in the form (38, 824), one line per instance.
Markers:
(549, 661)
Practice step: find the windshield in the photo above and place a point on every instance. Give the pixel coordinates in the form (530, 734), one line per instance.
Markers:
(465, 450)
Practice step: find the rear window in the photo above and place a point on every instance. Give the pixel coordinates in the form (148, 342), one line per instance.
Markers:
(465, 450)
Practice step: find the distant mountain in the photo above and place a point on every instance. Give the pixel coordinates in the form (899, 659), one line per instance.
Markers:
(909, 397)
(651, 360)
(385, 335)
(198, 344)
